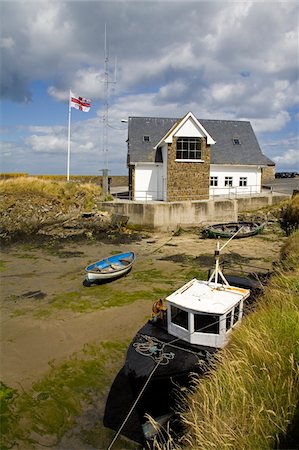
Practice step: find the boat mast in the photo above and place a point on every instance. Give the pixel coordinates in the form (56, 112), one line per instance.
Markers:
(217, 272)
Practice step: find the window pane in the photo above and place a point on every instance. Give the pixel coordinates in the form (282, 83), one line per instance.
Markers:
(179, 317)
(228, 320)
(214, 181)
(191, 148)
(236, 312)
(243, 181)
(206, 323)
(228, 181)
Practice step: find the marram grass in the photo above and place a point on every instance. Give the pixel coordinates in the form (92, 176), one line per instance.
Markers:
(249, 398)
(63, 193)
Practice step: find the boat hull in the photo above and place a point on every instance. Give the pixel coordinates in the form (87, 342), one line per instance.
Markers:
(109, 268)
(229, 229)
(161, 396)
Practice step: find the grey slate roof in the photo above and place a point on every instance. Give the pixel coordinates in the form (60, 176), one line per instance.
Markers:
(222, 131)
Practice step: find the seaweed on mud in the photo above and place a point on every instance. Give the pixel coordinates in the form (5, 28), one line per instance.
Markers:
(180, 258)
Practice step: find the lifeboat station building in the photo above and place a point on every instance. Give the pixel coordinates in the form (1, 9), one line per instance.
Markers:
(194, 159)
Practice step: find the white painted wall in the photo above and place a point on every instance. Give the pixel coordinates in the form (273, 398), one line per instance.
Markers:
(252, 173)
(189, 129)
(148, 181)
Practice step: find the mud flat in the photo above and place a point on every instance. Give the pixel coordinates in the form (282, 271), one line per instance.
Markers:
(47, 315)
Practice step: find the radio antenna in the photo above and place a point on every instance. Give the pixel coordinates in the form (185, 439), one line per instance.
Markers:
(106, 82)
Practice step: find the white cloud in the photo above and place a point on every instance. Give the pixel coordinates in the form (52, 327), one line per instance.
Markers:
(274, 123)
(222, 60)
(288, 159)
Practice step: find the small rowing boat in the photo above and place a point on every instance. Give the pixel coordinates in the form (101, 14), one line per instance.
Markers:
(227, 230)
(112, 267)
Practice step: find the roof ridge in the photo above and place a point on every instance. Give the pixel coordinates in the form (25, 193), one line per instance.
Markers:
(199, 119)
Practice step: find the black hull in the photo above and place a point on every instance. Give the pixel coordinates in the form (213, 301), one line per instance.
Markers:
(161, 396)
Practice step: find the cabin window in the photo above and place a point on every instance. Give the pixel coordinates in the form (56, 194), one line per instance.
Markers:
(236, 312)
(179, 317)
(243, 181)
(146, 138)
(206, 323)
(188, 148)
(228, 320)
(228, 181)
(214, 181)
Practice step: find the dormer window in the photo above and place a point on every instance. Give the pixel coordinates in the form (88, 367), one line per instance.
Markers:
(146, 138)
(236, 141)
(188, 148)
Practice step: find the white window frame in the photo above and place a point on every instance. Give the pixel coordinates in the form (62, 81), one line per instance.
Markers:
(214, 181)
(188, 140)
(228, 181)
(243, 181)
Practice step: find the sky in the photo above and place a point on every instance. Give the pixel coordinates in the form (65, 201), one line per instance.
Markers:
(234, 60)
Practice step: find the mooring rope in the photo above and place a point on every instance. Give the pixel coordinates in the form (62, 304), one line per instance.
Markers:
(152, 373)
(133, 406)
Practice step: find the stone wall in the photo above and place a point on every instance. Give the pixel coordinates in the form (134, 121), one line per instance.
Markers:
(268, 174)
(168, 216)
(188, 180)
(132, 181)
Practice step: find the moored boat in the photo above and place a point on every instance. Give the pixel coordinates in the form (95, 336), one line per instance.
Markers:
(181, 338)
(227, 230)
(108, 268)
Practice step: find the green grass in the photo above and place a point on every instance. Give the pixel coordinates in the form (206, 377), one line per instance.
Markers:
(149, 284)
(107, 298)
(83, 302)
(52, 406)
(2, 265)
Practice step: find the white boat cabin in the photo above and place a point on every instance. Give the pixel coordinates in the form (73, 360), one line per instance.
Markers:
(204, 313)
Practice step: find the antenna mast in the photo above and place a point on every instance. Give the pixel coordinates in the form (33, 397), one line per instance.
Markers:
(106, 105)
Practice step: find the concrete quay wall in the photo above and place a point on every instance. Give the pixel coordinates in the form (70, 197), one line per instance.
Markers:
(169, 215)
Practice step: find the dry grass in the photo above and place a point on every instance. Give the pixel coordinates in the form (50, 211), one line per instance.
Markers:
(289, 215)
(62, 192)
(249, 399)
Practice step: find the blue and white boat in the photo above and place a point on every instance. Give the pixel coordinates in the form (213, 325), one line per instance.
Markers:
(112, 267)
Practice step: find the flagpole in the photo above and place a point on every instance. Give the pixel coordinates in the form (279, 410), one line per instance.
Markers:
(69, 141)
